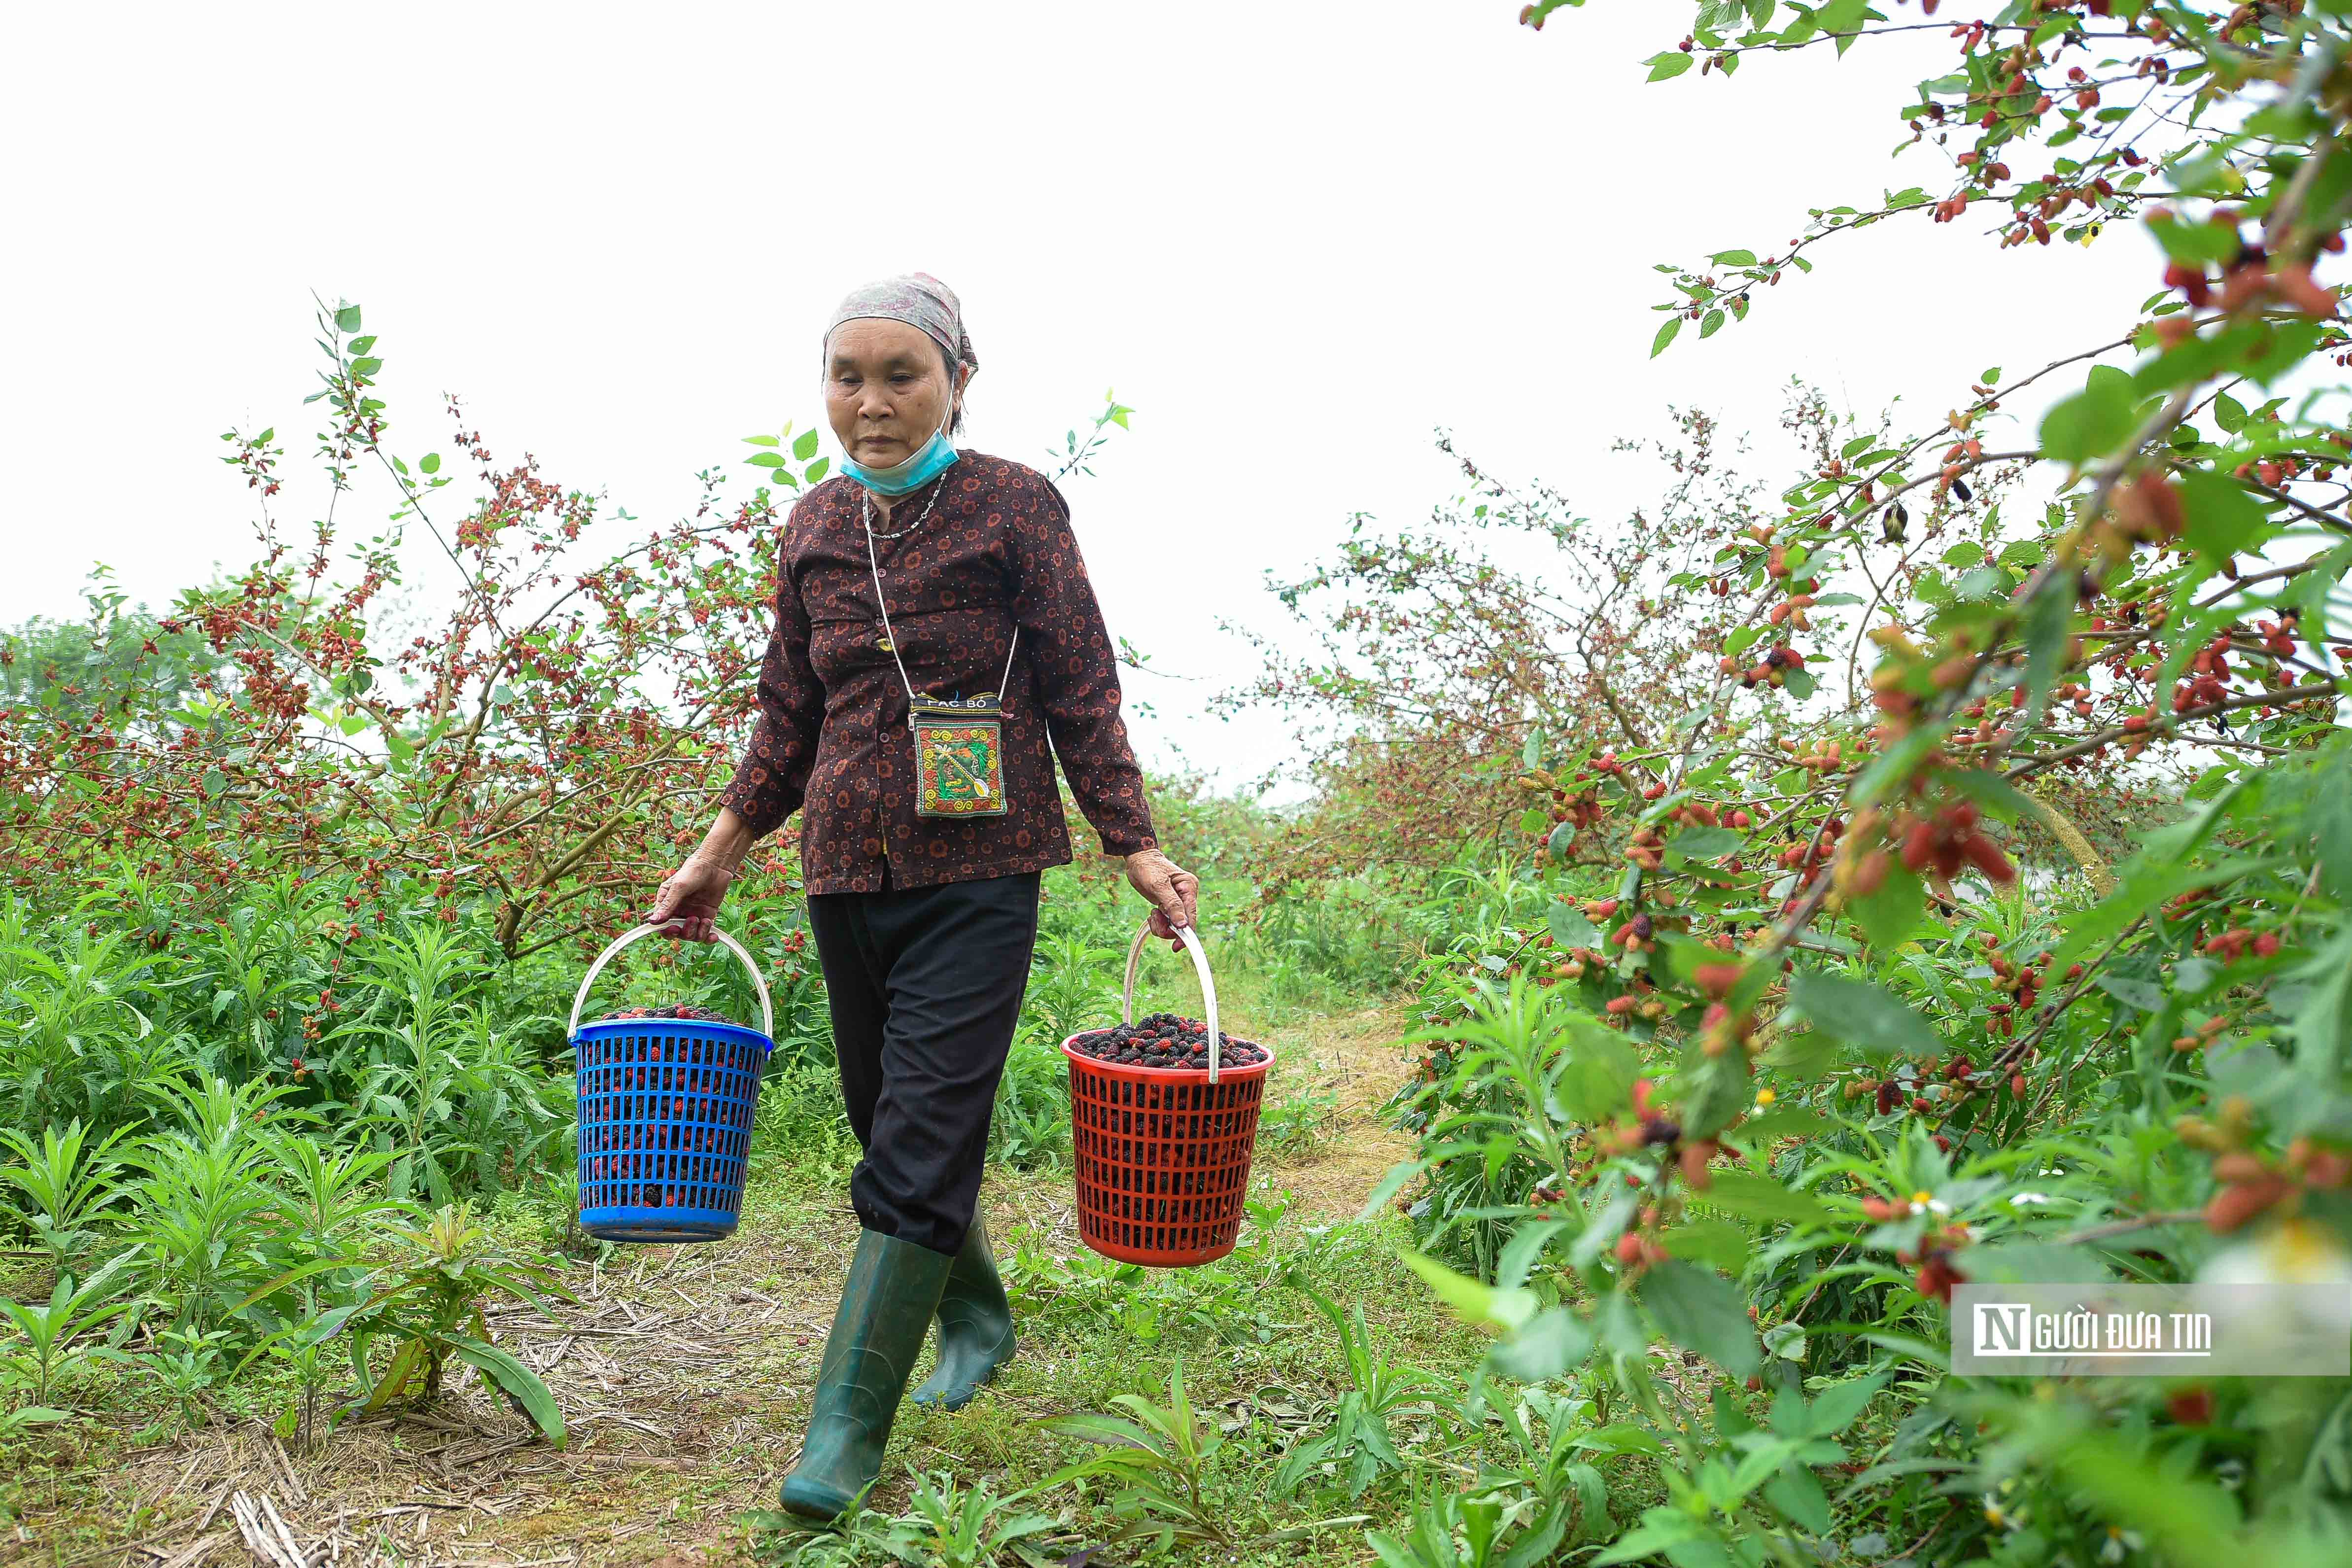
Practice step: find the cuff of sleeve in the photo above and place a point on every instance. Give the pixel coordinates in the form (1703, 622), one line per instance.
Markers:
(757, 808)
(1128, 841)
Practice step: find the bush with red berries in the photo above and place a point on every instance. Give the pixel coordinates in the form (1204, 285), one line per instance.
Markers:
(1937, 886)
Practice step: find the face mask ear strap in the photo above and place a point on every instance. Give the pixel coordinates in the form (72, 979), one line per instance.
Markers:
(959, 377)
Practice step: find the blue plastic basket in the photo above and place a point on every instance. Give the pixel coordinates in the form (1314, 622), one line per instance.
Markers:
(664, 1117)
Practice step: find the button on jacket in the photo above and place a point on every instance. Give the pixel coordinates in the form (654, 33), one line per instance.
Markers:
(833, 740)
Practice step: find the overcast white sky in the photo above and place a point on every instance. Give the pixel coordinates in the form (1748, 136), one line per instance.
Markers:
(1296, 238)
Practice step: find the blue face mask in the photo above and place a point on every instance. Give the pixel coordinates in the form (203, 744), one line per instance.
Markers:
(931, 459)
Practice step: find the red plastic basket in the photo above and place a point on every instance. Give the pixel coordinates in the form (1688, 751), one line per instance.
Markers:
(1164, 1153)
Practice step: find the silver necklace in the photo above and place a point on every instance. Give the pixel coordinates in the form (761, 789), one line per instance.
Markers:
(865, 513)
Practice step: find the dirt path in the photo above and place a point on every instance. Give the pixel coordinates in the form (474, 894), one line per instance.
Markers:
(683, 1373)
(1355, 1056)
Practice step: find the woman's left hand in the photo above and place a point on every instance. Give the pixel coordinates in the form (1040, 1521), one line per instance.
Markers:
(1173, 892)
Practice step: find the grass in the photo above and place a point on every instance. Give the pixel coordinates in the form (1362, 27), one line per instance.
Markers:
(731, 1423)
(684, 1372)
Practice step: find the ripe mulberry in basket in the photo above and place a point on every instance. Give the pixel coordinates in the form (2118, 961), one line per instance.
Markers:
(1163, 1136)
(1165, 1040)
(681, 1012)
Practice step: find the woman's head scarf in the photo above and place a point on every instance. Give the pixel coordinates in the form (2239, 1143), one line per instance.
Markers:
(921, 301)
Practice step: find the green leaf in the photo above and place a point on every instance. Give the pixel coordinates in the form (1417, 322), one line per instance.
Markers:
(1717, 1092)
(1836, 1406)
(1990, 790)
(1569, 928)
(1665, 66)
(1886, 918)
(1842, 17)
(763, 441)
(2229, 413)
(1704, 1312)
(2094, 421)
(1390, 1184)
(2196, 1522)
(804, 446)
(1669, 1534)
(1715, 1243)
(430, 462)
(1797, 1492)
(2284, 347)
(347, 320)
(2200, 242)
(1666, 334)
(1597, 1081)
(1554, 1343)
(1803, 1054)
(1705, 844)
(1864, 1016)
(1621, 1437)
(2141, 994)
(1110, 1431)
(2047, 618)
(1799, 683)
(1709, 324)
(1526, 1247)
(1473, 1301)
(2224, 519)
(1733, 259)
(766, 459)
(1760, 1197)
(521, 1382)
(2323, 1032)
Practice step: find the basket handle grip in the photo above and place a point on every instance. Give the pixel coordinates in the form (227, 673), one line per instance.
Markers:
(767, 1012)
(1200, 967)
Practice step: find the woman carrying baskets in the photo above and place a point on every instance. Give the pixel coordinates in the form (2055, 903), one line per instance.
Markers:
(935, 634)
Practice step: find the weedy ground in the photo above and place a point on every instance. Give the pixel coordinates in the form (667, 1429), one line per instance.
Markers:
(684, 1373)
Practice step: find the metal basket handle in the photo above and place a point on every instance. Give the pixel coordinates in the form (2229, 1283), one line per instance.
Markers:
(1200, 967)
(767, 1012)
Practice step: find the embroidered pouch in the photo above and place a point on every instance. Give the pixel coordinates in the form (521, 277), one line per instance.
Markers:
(959, 759)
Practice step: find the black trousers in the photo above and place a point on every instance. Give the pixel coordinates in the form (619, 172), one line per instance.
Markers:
(925, 987)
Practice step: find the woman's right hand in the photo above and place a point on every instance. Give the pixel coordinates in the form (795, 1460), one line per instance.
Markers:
(686, 907)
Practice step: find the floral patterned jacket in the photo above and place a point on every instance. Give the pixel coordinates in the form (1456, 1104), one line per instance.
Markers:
(995, 551)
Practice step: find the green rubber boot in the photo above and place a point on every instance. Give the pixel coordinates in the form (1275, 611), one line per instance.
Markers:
(885, 1309)
(976, 1326)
